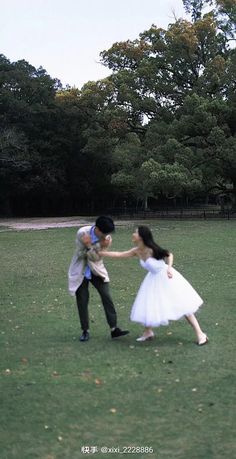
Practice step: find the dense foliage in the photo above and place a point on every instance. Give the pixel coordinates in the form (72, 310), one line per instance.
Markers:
(160, 129)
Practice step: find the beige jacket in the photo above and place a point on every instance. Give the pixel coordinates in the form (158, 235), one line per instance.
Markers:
(83, 257)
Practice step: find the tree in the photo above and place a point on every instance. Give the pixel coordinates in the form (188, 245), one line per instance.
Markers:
(177, 87)
(162, 67)
(27, 116)
(15, 165)
(202, 127)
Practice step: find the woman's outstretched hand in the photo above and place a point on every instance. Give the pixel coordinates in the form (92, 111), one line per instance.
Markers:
(169, 272)
(106, 242)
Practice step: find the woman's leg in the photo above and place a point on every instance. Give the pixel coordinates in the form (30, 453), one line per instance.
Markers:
(147, 334)
(201, 336)
(148, 331)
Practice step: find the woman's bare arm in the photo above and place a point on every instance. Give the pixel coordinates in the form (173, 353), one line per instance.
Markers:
(125, 254)
(169, 260)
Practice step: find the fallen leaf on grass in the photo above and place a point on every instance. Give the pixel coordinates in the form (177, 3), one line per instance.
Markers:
(55, 373)
(98, 381)
(113, 410)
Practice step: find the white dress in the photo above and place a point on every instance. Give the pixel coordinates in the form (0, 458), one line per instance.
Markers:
(161, 298)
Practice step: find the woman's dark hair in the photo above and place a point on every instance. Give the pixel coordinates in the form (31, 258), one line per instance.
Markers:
(147, 237)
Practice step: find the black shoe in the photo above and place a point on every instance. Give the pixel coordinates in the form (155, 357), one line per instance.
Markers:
(118, 332)
(84, 336)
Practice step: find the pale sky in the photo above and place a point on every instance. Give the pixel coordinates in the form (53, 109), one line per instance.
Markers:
(66, 36)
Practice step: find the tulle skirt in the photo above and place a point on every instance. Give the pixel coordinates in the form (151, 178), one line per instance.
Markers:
(161, 299)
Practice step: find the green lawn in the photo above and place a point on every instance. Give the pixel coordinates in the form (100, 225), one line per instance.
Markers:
(58, 395)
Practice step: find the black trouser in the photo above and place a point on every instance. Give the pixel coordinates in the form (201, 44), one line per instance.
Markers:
(82, 299)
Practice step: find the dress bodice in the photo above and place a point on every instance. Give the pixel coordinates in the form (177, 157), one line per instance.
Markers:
(153, 265)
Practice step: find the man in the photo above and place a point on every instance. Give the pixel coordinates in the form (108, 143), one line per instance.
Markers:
(86, 266)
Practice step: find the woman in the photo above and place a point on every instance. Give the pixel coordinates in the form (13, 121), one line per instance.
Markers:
(164, 293)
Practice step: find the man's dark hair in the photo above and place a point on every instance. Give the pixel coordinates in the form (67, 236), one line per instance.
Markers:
(105, 224)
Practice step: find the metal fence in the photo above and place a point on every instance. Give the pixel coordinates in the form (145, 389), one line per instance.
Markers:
(190, 213)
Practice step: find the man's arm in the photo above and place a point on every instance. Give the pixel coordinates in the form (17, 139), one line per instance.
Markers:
(91, 252)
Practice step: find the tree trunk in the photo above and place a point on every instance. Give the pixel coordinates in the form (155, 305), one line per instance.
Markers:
(145, 202)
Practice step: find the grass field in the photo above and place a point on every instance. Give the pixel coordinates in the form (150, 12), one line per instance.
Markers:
(59, 395)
